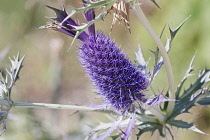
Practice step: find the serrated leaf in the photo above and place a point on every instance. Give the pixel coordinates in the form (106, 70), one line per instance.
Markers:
(144, 130)
(187, 74)
(202, 79)
(158, 64)
(180, 124)
(184, 125)
(187, 99)
(14, 70)
(150, 127)
(6, 85)
(184, 104)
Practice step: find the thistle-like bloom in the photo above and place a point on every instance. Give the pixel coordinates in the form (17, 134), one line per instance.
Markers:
(119, 81)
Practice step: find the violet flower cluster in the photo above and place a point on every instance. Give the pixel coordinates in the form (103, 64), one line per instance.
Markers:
(120, 82)
(117, 79)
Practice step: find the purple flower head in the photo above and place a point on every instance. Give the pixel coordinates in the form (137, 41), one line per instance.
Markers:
(117, 79)
(120, 82)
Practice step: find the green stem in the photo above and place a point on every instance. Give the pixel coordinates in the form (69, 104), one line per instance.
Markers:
(52, 106)
(55, 106)
(163, 52)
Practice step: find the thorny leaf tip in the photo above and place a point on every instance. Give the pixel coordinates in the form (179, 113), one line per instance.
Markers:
(156, 3)
(174, 32)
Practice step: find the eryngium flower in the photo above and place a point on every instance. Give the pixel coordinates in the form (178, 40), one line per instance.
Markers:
(119, 81)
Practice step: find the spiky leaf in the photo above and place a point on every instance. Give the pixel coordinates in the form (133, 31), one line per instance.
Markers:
(150, 127)
(184, 125)
(13, 72)
(187, 74)
(6, 85)
(160, 62)
(188, 99)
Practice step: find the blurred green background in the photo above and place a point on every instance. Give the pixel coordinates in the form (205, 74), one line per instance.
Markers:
(53, 75)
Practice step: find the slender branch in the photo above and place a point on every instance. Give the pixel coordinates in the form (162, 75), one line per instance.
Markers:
(52, 106)
(55, 106)
(156, 38)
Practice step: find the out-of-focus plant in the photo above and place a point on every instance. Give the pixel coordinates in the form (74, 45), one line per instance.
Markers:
(6, 84)
(122, 84)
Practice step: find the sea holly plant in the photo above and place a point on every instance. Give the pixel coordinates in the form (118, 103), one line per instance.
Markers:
(6, 84)
(123, 85)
